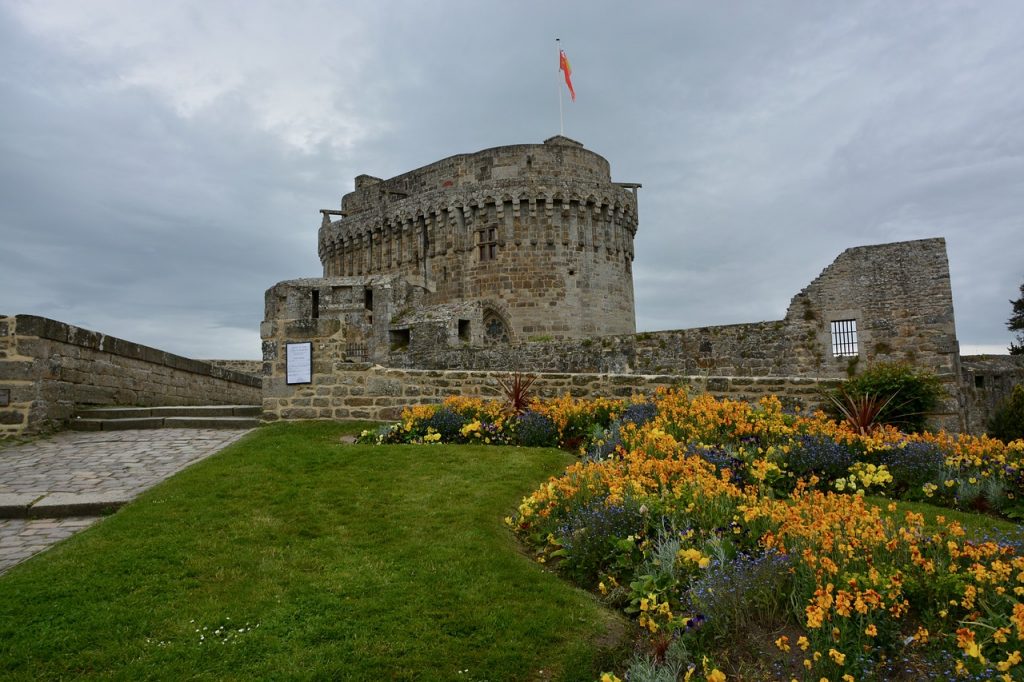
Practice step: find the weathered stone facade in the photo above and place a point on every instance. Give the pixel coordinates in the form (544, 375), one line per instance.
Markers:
(48, 369)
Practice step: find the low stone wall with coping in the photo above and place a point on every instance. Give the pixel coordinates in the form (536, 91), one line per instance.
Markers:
(49, 369)
(372, 392)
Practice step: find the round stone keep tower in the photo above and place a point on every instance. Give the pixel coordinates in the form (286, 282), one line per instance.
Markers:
(537, 235)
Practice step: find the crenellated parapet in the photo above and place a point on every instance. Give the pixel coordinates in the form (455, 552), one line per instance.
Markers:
(435, 224)
(529, 225)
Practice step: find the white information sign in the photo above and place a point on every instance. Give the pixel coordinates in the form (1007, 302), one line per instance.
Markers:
(299, 363)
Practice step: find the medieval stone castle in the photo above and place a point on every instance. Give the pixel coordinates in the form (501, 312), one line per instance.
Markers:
(516, 257)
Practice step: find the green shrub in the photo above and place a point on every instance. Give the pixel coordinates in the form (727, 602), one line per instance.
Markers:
(1008, 421)
(914, 394)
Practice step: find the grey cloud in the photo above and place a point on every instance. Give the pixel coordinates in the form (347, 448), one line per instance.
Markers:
(768, 138)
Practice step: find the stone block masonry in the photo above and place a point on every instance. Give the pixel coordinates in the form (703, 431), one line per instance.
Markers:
(380, 394)
(48, 369)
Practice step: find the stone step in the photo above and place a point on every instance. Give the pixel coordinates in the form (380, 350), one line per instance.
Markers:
(211, 422)
(170, 411)
(185, 417)
(116, 424)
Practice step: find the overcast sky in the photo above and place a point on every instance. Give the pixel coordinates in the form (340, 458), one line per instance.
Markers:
(162, 163)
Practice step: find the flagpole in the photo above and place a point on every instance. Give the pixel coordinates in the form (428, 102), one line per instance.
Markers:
(561, 122)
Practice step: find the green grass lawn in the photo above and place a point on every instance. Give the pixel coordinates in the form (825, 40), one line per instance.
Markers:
(290, 556)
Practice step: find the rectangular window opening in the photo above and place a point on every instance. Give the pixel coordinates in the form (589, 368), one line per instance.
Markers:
(399, 339)
(464, 330)
(844, 338)
(368, 299)
(315, 304)
(487, 243)
(979, 381)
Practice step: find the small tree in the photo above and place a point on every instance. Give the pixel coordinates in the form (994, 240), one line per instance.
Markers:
(1016, 324)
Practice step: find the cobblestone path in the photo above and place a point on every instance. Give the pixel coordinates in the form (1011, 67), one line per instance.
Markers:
(87, 467)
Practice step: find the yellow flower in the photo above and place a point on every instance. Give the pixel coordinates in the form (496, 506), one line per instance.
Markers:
(782, 643)
(609, 677)
(838, 656)
(803, 643)
(716, 675)
(1011, 661)
(965, 640)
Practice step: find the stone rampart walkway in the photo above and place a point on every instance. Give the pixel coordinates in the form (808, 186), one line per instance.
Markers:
(52, 488)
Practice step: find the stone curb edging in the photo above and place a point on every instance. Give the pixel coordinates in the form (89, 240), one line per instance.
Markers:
(59, 505)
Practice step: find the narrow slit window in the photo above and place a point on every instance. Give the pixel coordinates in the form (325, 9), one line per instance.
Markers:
(315, 304)
(844, 338)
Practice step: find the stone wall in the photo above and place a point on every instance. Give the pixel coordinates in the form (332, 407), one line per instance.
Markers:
(897, 295)
(250, 367)
(988, 380)
(48, 369)
(378, 393)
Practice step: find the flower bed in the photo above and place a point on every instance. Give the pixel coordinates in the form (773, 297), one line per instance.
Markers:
(707, 519)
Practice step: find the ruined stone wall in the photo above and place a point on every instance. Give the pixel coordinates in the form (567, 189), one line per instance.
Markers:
(348, 318)
(538, 234)
(987, 381)
(897, 295)
(739, 350)
(250, 367)
(380, 393)
(48, 369)
(900, 299)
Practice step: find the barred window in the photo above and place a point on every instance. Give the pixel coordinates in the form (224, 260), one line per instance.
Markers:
(487, 243)
(844, 338)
